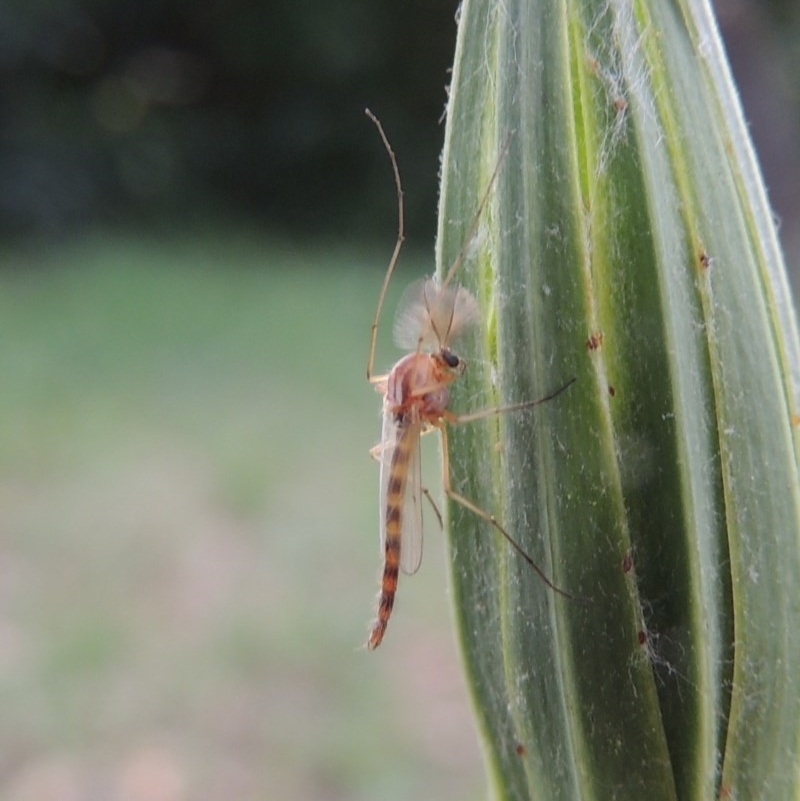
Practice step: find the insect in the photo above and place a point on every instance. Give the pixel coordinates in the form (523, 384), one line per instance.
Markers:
(416, 395)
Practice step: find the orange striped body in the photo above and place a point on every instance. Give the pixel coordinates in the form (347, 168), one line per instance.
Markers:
(407, 440)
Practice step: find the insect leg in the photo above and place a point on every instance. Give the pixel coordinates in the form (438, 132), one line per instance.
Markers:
(397, 245)
(514, 407)
(456, 265)
(435, 507)
(489, 518)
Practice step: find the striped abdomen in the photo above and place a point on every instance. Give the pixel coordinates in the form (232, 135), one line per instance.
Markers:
(407, 440)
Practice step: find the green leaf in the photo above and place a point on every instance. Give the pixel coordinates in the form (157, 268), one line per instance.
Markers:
(627, 243)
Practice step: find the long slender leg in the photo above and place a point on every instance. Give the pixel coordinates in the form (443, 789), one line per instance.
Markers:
(397, 245)
(490, 518)
(379, 380)
(514, 407)
(456, 265)
(401, 233)
(435, 507)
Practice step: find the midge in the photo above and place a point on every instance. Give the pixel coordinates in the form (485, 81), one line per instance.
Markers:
(416, 396)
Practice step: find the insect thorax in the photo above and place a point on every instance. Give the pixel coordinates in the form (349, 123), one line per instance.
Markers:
(420, 383)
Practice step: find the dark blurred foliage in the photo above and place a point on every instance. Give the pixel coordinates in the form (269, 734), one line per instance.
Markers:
(161, 110)
(168, 111)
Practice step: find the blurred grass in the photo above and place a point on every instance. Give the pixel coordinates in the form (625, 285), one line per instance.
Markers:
(188, 545)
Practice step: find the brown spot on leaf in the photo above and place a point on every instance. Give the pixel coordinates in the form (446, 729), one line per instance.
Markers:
(595, 341)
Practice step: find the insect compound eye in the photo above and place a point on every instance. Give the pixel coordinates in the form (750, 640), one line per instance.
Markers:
(450, 359)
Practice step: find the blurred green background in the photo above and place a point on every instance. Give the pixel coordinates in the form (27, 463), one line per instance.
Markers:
(195, 219)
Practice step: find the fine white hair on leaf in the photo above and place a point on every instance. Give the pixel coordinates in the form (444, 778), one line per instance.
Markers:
(430, 317)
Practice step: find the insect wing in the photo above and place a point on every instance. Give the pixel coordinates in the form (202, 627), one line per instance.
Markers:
(411, 552)
(411, 543)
